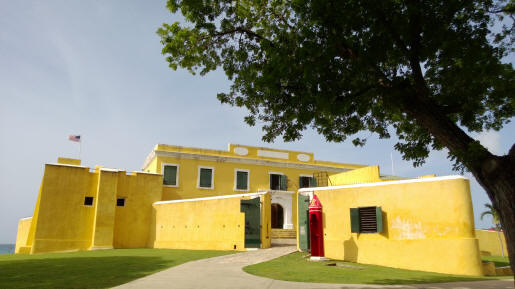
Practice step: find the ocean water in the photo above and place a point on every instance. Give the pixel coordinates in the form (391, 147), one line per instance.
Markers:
(6, 248)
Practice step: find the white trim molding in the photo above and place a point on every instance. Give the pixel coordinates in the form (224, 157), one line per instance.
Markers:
(236, 179)
(241, 151)
(176, 174)
(303, 157)
(212, 178)
(240, 160)
(273, 154)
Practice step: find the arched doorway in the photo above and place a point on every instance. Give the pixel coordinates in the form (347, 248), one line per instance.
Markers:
(277, 216)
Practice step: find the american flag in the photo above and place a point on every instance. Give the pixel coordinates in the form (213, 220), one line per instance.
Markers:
(75, 138)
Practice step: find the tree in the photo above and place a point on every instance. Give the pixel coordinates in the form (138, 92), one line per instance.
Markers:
(430, 71)
(495, 219)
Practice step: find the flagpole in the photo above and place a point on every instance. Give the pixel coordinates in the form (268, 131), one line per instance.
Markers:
(80, 147)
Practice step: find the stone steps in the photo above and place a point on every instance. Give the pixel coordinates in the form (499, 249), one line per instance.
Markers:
(283, 234)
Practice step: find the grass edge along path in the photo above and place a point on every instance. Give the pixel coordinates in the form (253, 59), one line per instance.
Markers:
(91, 269)
(296, 267)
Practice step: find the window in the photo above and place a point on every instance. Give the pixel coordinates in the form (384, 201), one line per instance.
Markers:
(170, 175)
(205, 178)
(88, 201)
(241, 182)
(306, 181)
(278, 182)
(366, 220)
(120, 202)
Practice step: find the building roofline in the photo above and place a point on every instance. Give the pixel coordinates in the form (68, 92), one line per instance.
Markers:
(211, 198)
(252, 161)
(204, 153)
(377, 184)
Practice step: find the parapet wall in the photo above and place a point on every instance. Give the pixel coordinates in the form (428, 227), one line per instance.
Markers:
(208, 223)
(492, 243)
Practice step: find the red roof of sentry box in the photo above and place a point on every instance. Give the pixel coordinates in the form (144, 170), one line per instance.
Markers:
(315, 202)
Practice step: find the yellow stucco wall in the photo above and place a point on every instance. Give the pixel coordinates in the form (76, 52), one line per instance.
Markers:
(68, 161)
(22, 236)
(61, 221)
(209, 224)
(357, 176)
(133, 222)
(266, 222)
(224, 170)
(489, 243)
(428, 223)
(259, 161)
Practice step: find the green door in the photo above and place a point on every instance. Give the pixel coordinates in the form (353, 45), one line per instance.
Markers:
(252, 212)
(303, 204)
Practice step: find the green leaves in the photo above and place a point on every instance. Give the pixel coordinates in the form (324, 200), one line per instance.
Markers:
(343, 67)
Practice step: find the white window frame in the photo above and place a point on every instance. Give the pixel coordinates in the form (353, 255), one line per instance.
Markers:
(212, 178)
(236, 179)
(270, 183)
(307, 176)
(176, 175)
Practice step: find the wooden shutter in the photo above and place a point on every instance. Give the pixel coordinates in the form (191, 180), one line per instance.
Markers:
(283, 183)
(368, 219)
(205, 178)
(379, 219)
(312, 182)
(241, 180)
(170, 175)
(354, 220)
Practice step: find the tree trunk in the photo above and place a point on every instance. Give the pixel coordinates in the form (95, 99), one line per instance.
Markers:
(500, 241)
(496, 174)
(497, 177)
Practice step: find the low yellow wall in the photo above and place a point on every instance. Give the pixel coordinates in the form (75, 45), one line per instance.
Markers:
(357, 176)
(428, 225)
(22, 236)
(206, 224)
(489, 243)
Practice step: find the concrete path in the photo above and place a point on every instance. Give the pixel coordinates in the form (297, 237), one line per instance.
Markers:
(225, 272)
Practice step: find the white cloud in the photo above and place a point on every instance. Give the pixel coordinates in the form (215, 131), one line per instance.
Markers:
(491, 140)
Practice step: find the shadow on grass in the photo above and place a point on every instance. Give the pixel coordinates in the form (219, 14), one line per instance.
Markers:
(84, 272)
(428, 279)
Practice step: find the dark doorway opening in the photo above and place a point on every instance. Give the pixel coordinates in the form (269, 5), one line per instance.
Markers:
(277, 216)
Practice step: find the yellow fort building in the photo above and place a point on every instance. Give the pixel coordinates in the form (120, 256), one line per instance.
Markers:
(191, 198)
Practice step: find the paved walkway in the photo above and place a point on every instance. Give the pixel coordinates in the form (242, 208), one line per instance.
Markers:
(225, 272)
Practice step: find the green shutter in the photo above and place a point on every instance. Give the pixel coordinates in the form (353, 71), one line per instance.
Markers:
(354, 220)
(312, 182)
(170, 175)
(300, 182)
(205, 178)
(283, 183)
(241, 180)
(379, 219)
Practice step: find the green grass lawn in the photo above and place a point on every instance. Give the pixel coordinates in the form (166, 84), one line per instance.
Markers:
(91, 269)
(296, 267)
(498, 260)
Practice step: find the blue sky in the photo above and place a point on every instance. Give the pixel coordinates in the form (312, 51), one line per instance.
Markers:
(95, 68)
